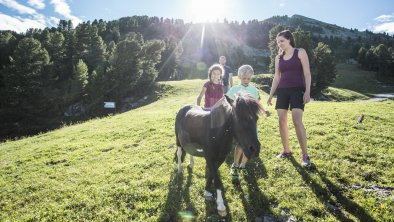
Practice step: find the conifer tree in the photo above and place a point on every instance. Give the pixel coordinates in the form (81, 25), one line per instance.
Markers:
(273, 46)
(361, 57)
(168, 67)
(26, 79)
(323, 69)
(383, 58)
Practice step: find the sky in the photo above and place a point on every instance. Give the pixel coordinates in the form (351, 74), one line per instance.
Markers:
(374, 15)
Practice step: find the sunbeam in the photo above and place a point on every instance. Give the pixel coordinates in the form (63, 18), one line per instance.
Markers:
(207, 10)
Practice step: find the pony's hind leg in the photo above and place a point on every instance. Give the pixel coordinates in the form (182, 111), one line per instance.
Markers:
(191, 162)
(179, 159)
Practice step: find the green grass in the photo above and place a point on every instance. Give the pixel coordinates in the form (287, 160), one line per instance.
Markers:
(352, 78)
(121, 168)
(337, 94)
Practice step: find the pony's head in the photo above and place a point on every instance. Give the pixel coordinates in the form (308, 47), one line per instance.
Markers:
(246, 112)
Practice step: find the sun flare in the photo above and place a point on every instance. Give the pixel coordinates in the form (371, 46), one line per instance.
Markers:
(207, 10)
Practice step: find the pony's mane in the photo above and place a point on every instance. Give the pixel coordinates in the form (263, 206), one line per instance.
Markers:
(220, 113)
(246, 107)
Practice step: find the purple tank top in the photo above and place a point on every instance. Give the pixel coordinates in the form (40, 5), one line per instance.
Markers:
(291, 72)
(213, 94)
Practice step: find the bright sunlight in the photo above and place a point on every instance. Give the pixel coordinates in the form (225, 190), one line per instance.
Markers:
(207, 10)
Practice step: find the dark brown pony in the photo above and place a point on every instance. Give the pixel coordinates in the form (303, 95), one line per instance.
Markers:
(209, 134)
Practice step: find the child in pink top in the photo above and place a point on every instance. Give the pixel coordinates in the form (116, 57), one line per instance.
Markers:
(212, 89)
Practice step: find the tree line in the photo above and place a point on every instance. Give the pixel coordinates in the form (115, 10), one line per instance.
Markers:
(378, 58)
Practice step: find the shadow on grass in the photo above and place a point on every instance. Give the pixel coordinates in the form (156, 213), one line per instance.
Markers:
(177, 191)
(255, 203)
(325, 195)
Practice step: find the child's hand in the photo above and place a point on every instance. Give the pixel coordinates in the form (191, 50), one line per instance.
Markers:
(267, 113)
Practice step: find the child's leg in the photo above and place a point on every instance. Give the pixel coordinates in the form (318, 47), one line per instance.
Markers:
(237, 155)
(243, 161)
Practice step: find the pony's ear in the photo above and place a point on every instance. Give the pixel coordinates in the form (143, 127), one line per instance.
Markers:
(229, 100)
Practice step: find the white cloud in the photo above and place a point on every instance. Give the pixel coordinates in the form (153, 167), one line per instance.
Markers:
(21, 9)
(384, 23)
(63, 9)
(282, 4)
(38, 4)
(385, 18)
(30, 18)
(20, 24)
(385, 27)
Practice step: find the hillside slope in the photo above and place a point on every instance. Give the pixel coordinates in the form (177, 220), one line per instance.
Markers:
(121, 168)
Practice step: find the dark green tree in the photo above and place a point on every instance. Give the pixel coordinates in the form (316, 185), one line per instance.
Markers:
(78, 84)
(303, 40)
(7, 45)
(371, 60)
(150, 55)
(82, 42)
(110, 49)
(57, 52)
(134, 63)
(126, 65)
(362, 57)
(168, 67)
(322, 68)
(383, 58)
(96, 55)
(81, 76)
(273, 46)
(26, 80)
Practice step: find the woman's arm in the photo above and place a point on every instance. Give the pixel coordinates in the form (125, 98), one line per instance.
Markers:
(303, 56)
(275, 82)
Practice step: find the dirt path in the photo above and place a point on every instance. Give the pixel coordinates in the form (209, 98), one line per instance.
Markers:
(379, 97)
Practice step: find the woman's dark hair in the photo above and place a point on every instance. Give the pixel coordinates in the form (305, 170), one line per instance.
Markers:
(287, 35)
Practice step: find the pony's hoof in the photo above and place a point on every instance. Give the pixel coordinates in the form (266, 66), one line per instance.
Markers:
(190, 166)
(222, 213)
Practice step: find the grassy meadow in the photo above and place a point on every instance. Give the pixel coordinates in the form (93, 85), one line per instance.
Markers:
(120, 168)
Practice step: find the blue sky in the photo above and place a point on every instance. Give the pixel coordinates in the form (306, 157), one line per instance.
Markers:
(374, 15)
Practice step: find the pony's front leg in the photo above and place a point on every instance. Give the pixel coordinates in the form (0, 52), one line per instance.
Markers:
(219, 201)
(191, 162)
(179, 154)
(214, 174)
